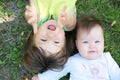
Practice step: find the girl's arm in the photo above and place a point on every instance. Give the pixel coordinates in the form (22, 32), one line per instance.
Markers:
(67, 19)
(31, 15)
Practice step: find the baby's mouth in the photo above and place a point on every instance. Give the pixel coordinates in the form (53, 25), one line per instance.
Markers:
(52, 27)
(92, 51)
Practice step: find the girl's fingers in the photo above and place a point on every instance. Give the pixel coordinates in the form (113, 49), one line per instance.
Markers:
(28, 8)
(73, 12)
(64, 8)
(31, 2)
(30, 21)
(34, 10)
(28, 14)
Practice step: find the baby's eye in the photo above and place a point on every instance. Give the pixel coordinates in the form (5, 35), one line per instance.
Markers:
(44, 40)
(56, 42)
(85, 41)
(97, 41)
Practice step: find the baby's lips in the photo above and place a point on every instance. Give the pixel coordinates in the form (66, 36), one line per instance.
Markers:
(52, 27)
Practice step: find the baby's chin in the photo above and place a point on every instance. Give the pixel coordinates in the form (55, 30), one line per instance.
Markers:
(92, 57)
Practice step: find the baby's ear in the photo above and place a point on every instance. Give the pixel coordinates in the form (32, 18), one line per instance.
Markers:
(76, 43)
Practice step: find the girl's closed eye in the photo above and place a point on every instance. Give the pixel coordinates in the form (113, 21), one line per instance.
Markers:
(43, 40)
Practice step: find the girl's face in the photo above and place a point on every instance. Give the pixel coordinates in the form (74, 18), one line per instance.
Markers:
(50, 37)
(90, 44)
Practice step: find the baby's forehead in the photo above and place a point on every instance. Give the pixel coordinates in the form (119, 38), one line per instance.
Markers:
(88, 28)
(95, 30)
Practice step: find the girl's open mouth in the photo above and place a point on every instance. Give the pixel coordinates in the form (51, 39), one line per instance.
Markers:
(52, 27)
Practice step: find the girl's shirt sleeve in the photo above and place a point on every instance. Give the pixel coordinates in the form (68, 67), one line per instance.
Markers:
(114, 70)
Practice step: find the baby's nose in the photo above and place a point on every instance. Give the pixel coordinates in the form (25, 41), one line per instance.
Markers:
(92, 45)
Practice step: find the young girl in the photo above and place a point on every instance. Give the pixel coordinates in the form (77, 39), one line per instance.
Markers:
(47, 46)
(91, 63)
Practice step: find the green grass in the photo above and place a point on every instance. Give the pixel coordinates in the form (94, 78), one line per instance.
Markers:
(14, 32)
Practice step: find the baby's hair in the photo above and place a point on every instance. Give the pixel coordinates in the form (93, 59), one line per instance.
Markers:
(87, 22)
(35, 59)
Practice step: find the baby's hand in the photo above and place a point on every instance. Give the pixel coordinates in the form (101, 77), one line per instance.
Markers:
(35, 77)
(31, 13)
(67, 19)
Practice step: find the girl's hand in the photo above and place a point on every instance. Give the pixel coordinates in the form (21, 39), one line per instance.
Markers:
(35, 77)
(67, 19)
(31, 15)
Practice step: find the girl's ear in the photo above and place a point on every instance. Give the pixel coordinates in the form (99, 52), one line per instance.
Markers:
(35, 29)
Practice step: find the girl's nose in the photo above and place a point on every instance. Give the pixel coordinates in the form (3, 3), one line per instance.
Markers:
(50, 36)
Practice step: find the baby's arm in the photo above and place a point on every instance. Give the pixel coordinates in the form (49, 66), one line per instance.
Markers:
(49, 74)
(114, 69)
(53, 75)
(67, 20)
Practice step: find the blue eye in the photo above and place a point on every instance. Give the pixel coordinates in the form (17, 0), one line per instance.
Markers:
(44, 40)
(85, 41)
(97, 41)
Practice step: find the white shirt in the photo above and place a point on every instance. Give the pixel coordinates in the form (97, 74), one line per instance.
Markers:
(103, 68)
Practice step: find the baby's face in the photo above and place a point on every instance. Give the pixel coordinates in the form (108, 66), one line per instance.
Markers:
(90, 44)
(50, 37)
